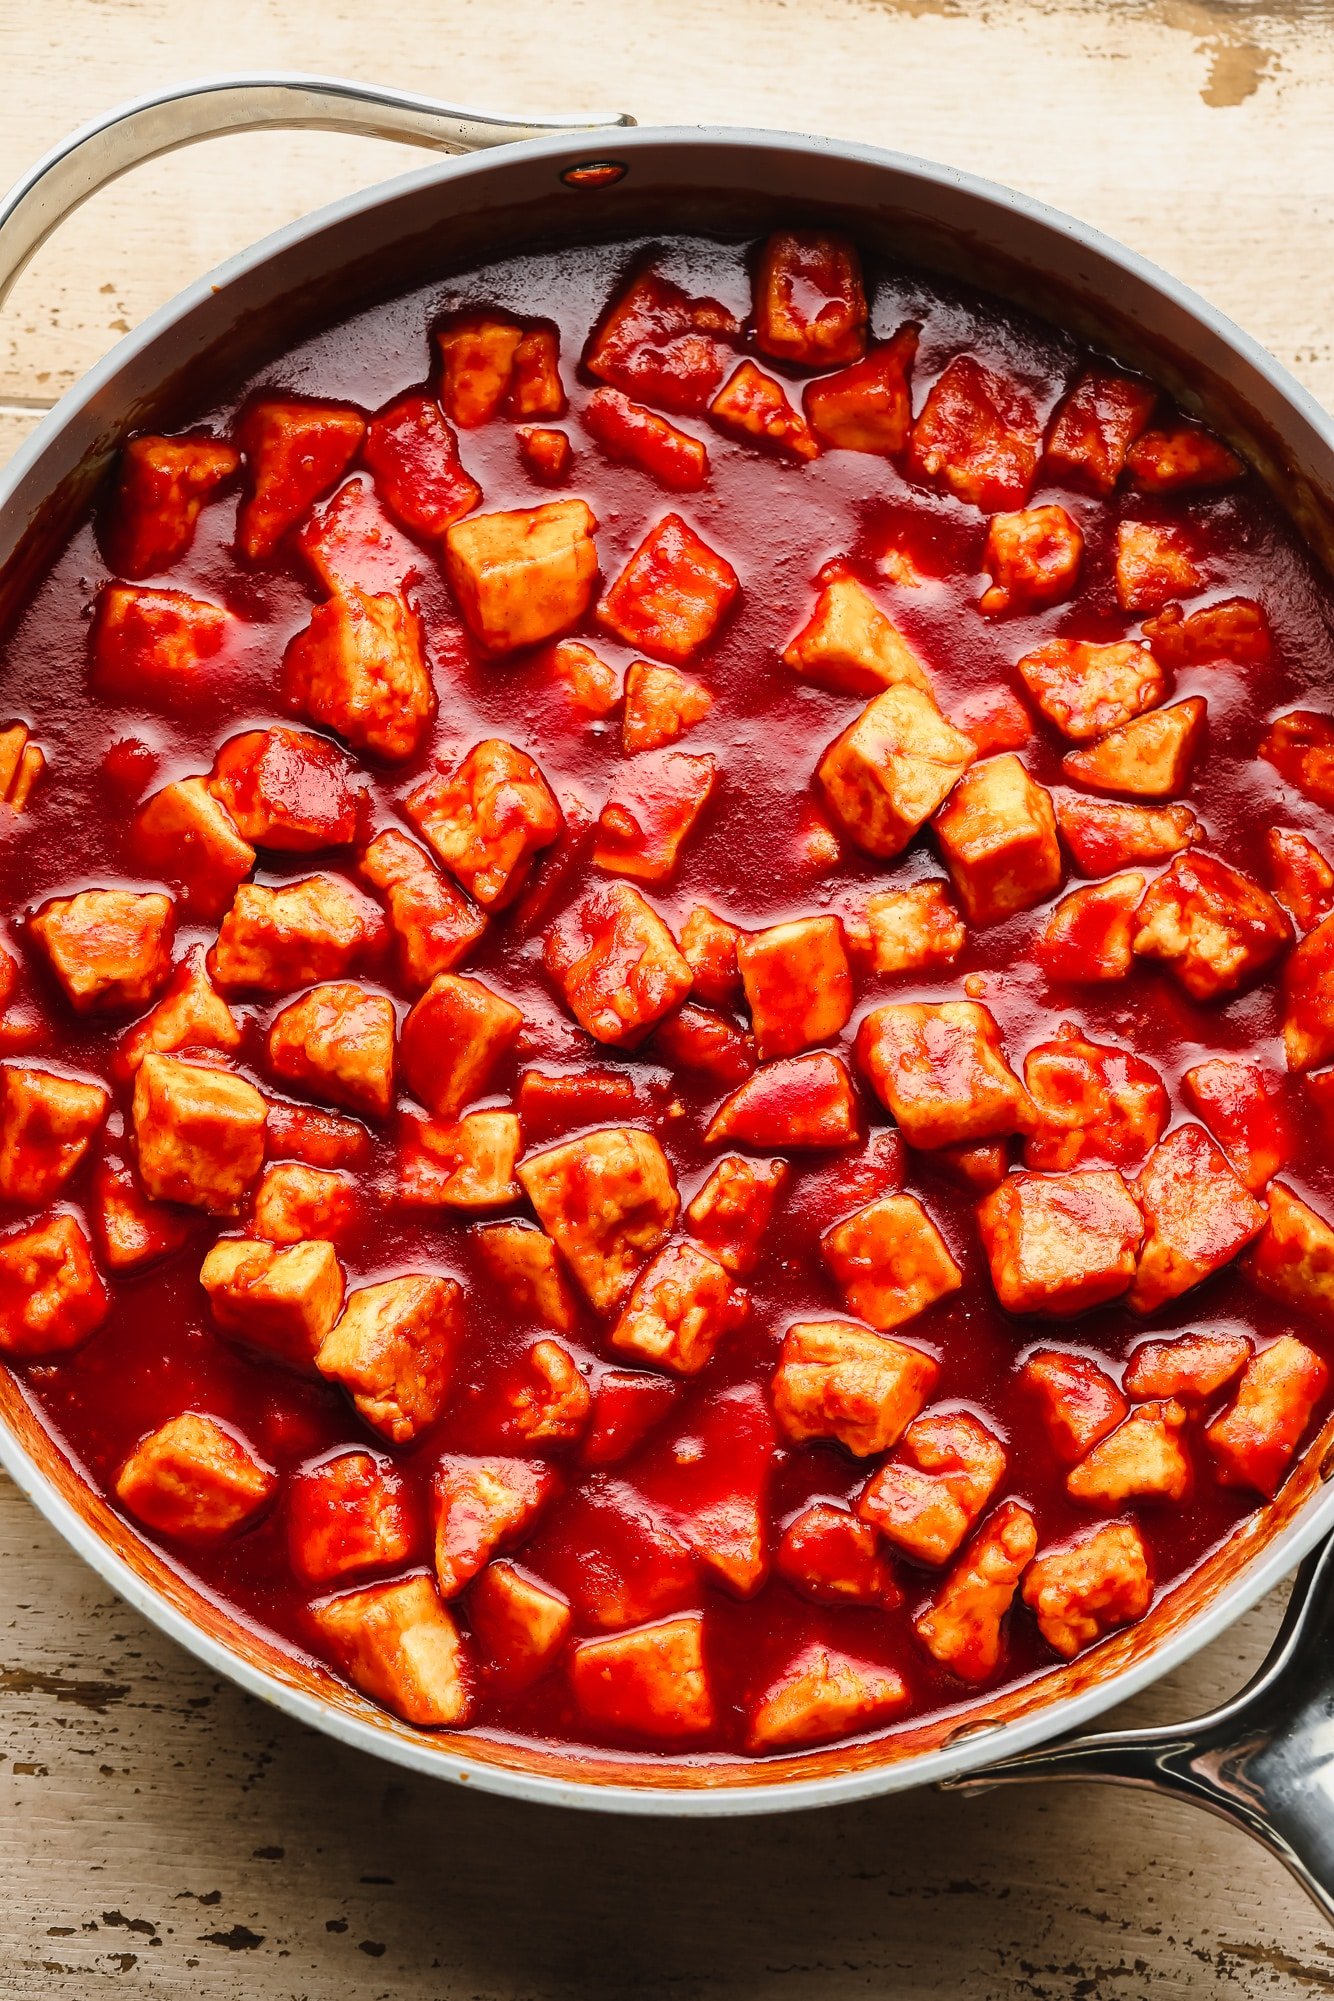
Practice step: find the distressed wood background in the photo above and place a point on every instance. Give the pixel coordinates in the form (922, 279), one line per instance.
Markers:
(160, 1834)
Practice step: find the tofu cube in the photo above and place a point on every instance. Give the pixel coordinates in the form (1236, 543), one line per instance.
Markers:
(337, 1041)
(926, 1499)
(656, 343)
(1300, 746)
(810, 303)
(359, 668)
(1033, 557)
(546, 1400)
(131, 1230)
(1153, 565)
(653, 808)
(616, 964)
(351, 544)
(681, 1307)
(280, 1299)
(1300, 876)
(295, 451)
(294, 1202)
(1184, 457)
(1213, 927)
(1095, 425)
(977, 437)
(1189, 1367)
(732, 1211)
(997, 833)
(798, 984)
(47, 1124)
(161, 486)
(22, 763)
(652, 1682)
(1198, 1216)
(837, 1380)
(454, 1040)
(393, 1351)
(1149, 758)
(1088, 1586)
(1244, 1109)
(397, 1643)
(1078, 1400)
(709, 946)
(550, 1106)
(891, 769)
(826, 1554)
(1061, 1243)
(940, 1068)
(823, 1693)
(891, 1261)
(489, 820)
(109, 948)
(190, 1015)
(1089, 936)
(627, 1404)
(1085, 687)
(629, 433)
(479, 1506)
(194, 1480)
(477, 355)
(522, 1625)
(434, 925)
(1097, 1105)
(608, 1200)
(547, 455)
(320, 1139)
(1308, 999)
(753, 408)
(468, 1165)
(188, 838)
(272, 940)
(287, 789)
(525, 1265)
(1103, 837)
(151, 648)
(535, 387)
(661, 704)
(590, 686)
(51, 1293)
(523, 576)
(961, 1627)
(800, 1101)
(414, 456)
(993, 718)
(851, 646)
(345, 1516)
(1293, 1259)
(672, 594)
(199, 1133)
(1252, 1443)
(1143, 1459)
(1232, 629)
(867, 407)
(908, 930)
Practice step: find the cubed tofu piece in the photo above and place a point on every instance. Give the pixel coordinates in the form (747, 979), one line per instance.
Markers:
(109, 948)
(1089, 936)
(294, 1202)
(800, 1101)
(798, 984)
(1095, 425)
(891, 769)
(547, 455)
(1097, 1105)
(1301, 878)
(977, 437)
(926, 1499)
(1149, 758)
(161, 486)
(1142, 1460)
(194, 1480)
(1084, 687)
(47, 1124)
(414, 456)
(617, 964)
(1061, 1243)
(651, 1682)
(488, 820)
(994, 719)
(1184, 457)
(891, 1261)
(826, 1554)
(940, 1068)
(345, 1516)
(287, 789)
(454, 1041)
(320, 1139)
(51, 1293)
(734, 1208)
(867, 407)
(546, 1399)
(997, 833)
(628, 433)
(1244, 1109)
(1236, 630)
(1300, 746)
(393, 1351)
(661, 704)
(359, 668)
(1308, 999)
(1032, 557)
(526, 1266)
(1293, 1260)
(1103, 837)
(709, 946)
(753, 407)
(850, 645)
(22, 763)
(337, 1041)
(151, 649)
(272, 940)
(535, 387)
(908, 930)
(608, 1200)
(295, 451)
(1213, 927)
(822, 1694)
(698, 1039)
(657, 343)
(280, 1299)
(1153, 566)
(652, 810)
(190, 1015)
(681, 1307)
(627, 1404)
(397, 1643)
(523, 576)
(477, 355)
(672, 594)
(521, 1625)
(1077, 1398)
(1198, 1217)
(351, 544)
(835, 1379)
(435, 927)
(962, 1626)
(466, 1165)
(1252, 1443)
(810, 303)
(1087, 1587)
(188, 838)
(551, 1106)
(591, 687)
(1189, 1367)
(199, 1133)
(480, 1506)
(131, 1230)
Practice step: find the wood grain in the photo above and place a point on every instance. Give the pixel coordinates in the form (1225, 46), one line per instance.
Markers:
(163, 1835)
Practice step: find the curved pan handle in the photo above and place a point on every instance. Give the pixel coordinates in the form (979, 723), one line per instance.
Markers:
(141, 130)
(1265, 1760)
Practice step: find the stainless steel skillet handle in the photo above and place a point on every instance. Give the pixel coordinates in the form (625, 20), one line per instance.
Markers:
(1265, 1760)
(147, 126)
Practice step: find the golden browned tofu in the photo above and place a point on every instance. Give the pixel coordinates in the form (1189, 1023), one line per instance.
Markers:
(908, 930)
(1060, 1243)
(617, 964)
(131, 1230)
(654, 806)
(1308, 999)
(753, 407)
(733, 1209)
(591, 686)
(434, 925)
(393, 1351)
(1033, 557)
(1098, 1106)
(1078, 1401)
(661, 704)
(1143, 1459)
(1199, 1214)
(547, 1400)
(199, 1133)
(1089, 935)
(652, 1682)
(489, 820)
(837, 1380)
(997, 833)
(672, 595)
(940, 1068)
(272, 940)
(849, 644)
(109, 948)
(1252, 1443)
(891, 1261)
(1149, 758)
(522, 1625)
(454, 1040)
(190, 1015)
(961, 1627)
(22, 763)
(294, 1201)
(187, 837)
(479, 1506)
(360, 668)
(526, 1265)
(398, 1644)
(47, 1123)
(337, 1041)
(1104, 835)
(466, 1165)
(193, 1480)
(926, 1498)
(1085, 688)
(280, 1299)
(823, 1693)
(797, 982)
(51, 1293)
(1153, 565)
(1293, 1258)
(523, 576)
(1190, 1367)
(681, 1307)
(892, 768)
(799, 1101)
(1087, 1587)
(1213, 927)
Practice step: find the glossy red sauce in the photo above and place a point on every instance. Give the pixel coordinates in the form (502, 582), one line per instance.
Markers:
(158, 1354)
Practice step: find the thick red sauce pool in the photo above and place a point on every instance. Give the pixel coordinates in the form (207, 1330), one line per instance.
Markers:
(158, 1354)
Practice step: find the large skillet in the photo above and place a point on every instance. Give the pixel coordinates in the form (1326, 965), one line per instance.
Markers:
(1265, 1760)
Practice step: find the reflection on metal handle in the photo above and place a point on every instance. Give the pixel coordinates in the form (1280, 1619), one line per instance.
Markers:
(1265, 1760)
(148, 126)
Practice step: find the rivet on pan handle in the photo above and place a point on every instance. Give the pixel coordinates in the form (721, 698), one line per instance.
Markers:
(141, 130)
(1264, 1761)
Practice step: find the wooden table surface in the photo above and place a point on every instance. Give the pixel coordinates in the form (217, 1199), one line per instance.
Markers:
(161, 1834)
